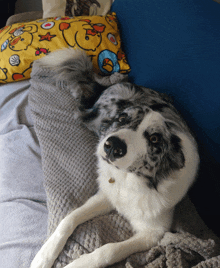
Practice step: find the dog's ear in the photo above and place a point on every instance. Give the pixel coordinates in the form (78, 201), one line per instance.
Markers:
(166, 97)
(89, 99)
(89, 115)
(98, 84)
(176, 156)
(91, 119)
(174, 159)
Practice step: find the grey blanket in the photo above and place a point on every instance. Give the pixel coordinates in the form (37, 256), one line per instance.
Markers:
(69, 167)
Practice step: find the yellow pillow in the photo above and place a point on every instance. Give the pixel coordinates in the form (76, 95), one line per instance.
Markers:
(22, 43)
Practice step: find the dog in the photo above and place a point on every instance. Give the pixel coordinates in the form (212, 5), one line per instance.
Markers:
(147, 160)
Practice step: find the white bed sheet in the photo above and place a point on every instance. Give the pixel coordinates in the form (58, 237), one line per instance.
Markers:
(23, 212)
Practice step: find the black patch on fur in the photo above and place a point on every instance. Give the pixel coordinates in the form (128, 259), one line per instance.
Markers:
(91, 115)
(122, 104)
(105, 124)
(105, 159)
(126, 119)
(168, 156)
(179, 159)
(155, 148)
(137, 121)
(172, 160)
(170, 125)
(88, 100)
(138, 89)
(131, 119)
(147, 166)
(152, 183)
(159, 107)
(154, 158)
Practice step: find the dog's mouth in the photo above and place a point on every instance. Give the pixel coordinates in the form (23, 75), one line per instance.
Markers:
(107, 160)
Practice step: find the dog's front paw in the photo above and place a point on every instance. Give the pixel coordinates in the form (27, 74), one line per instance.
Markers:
(170, 238)
(42, 260)
(85, 260)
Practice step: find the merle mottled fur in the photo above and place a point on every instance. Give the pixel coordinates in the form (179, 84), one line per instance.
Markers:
(135, 102)
(100, 112)
(147, 160)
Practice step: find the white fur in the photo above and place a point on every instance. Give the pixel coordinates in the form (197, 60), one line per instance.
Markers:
(55, 59)
(149, 211)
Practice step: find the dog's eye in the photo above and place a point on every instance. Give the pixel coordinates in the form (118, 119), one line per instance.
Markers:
(122, 118)
(155, 138)
(87, 38)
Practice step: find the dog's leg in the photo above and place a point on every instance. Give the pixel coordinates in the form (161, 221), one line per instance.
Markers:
(115, 252)
(96, 205)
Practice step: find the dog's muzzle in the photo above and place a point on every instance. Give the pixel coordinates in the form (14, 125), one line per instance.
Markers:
(115, 148)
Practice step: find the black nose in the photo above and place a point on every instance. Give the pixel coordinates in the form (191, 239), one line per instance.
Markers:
(115, 148)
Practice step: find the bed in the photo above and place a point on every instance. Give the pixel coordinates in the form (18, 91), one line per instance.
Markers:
(47, 157)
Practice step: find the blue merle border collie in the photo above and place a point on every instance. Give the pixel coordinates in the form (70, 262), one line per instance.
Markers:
(147, 160)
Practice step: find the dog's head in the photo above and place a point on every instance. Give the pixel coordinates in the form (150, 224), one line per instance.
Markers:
(138, 130)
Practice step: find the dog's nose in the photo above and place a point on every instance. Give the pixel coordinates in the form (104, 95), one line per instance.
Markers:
(115, 148)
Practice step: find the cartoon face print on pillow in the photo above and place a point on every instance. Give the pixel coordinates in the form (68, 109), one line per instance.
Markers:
(21, 38)
(88, 36)
(22, 43)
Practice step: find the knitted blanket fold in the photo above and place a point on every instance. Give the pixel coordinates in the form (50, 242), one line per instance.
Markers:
(69, 167)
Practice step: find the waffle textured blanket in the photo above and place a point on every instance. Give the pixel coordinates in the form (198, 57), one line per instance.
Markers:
(69, 167)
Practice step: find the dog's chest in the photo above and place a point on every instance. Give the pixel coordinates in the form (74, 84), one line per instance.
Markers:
(130, 195)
